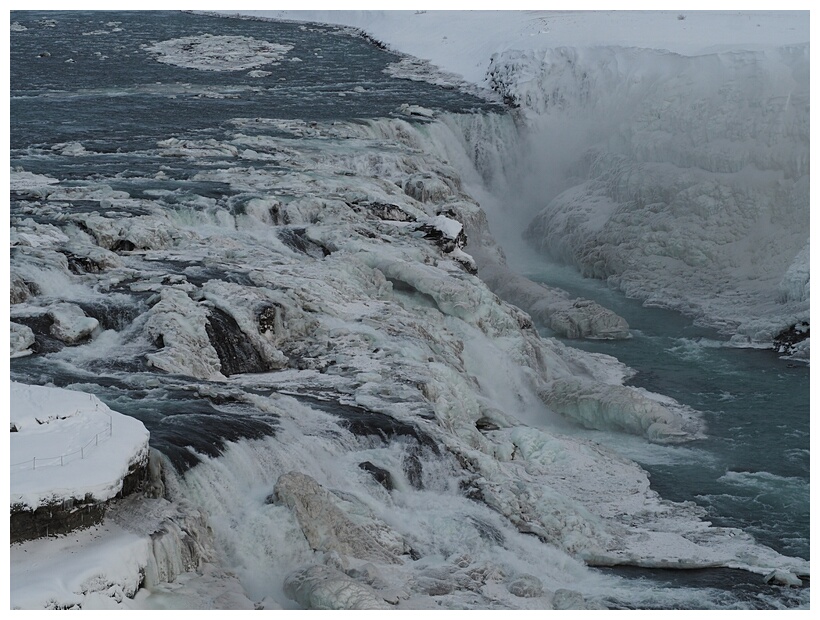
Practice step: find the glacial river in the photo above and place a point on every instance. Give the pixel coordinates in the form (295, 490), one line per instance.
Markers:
(752, 470)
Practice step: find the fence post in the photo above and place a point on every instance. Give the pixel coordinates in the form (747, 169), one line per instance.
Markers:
(82, 449)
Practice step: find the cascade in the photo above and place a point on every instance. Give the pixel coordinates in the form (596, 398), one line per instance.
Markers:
(350, 414)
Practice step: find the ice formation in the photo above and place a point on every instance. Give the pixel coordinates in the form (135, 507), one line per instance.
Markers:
(218, 52)
(692, 191)
(377, 426)
(345, 280)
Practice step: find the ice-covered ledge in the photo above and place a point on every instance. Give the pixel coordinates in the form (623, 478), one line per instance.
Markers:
(70, 454)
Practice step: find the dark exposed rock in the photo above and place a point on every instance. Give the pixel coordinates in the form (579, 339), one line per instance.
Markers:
(123, 245)
(82, 264)
(278, 215)
(471, 491)
(44, 343)
(487, 531)
(54, 520)
(485, 424)
(203, 429)
(22, 289)
(382, 476)
(40, 324)
(73, 514)
(447, 244)
(270, 317)
(361, 421)
(296, 239)
(235, 351)
(785, 341)
(384, 211)
(110, 315)
(411, 464)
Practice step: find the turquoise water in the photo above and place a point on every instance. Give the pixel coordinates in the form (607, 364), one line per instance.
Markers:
(752, 470)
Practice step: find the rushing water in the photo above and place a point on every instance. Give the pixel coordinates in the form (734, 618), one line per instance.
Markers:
(85, 77)
(752, 470)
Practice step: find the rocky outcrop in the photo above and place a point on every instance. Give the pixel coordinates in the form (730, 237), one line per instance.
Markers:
(324, 525)
(324, 587)
(62, 517)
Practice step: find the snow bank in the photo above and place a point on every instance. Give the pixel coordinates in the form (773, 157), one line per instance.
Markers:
(69, 445)
(448, 38)
(149, 554)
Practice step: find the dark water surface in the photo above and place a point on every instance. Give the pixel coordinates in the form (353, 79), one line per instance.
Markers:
(100, 83)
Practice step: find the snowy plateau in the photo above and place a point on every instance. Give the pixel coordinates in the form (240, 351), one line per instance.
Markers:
(326, 325)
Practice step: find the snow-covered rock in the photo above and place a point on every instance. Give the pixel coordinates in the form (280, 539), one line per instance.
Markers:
(69, 445)
(526, 586)
(324, 525)
(70, 324)
(616, 407)
(323, 587)
(176, 324)
(20, 339)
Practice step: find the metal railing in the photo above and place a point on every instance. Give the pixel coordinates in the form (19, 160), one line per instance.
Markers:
(64, 459)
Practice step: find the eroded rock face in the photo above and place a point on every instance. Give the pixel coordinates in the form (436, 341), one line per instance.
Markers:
(63, 517)
(236, 353)
(324, 525)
